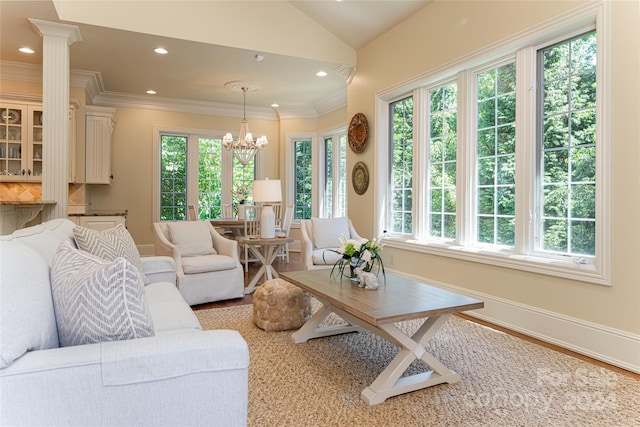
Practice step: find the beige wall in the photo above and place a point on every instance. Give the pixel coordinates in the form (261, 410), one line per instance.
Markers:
(132, 160)
(444, 31)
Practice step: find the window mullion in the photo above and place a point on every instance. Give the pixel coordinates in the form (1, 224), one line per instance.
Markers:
(335, 173)
(526, 133)
(420, 188)
(192, 170)
(227, 176)
(465, 194)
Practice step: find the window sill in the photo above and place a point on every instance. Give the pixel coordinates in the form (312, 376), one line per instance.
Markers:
(534, 264)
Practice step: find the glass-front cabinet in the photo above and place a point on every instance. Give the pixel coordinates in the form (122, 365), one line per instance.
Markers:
(20, 142)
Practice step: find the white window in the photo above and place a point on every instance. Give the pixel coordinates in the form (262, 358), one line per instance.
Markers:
(316, 174)
(567, 147)
(498, 162)
(334, 173)
(194, 169)
(303, 178)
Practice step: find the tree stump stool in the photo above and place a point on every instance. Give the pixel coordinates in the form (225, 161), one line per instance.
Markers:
(279, 306)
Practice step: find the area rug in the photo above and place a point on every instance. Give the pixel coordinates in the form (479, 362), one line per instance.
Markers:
(506, 381)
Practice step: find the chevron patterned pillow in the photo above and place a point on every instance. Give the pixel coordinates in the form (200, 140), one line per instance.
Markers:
(110, 244)
(97, 300)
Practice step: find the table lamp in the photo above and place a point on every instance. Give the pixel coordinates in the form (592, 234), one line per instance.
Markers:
(267, 191)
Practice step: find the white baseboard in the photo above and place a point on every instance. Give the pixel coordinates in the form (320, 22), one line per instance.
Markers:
(610, 345)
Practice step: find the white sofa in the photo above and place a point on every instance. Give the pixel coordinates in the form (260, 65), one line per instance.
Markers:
(181, 376)
(203, 275)
(320, 238)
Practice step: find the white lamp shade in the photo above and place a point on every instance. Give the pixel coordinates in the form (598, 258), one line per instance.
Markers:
(267, 191)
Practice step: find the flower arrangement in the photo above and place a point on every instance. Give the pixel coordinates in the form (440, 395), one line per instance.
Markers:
(240, 193)
(358, 253)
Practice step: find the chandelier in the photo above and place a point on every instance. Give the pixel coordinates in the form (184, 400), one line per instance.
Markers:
(244, 148)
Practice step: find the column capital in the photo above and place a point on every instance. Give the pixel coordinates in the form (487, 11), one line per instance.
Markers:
(54, 29)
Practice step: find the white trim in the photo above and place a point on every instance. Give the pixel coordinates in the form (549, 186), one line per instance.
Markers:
(155, 196)
(610, 345)
(335, 133)
(552, 267)
(290, 169)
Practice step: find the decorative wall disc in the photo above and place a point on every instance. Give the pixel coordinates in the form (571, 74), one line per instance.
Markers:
(360, 178)
(358, 133)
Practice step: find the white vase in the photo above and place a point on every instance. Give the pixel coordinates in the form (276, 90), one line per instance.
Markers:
(242, 213)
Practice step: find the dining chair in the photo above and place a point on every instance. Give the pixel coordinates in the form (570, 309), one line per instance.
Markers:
(286, 227)
(227, 210)
(277, 211)
(251, 229)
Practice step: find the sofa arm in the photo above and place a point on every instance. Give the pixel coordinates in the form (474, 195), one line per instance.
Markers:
(151, 381)
(159, 269)
(175, 355)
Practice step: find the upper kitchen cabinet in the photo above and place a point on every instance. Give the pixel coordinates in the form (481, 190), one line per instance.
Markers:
(21, 142)
(99, 122)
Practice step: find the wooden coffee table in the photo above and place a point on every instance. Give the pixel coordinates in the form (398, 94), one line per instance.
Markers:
(377, 311)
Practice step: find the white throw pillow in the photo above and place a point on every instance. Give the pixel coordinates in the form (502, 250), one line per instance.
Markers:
(97, 300)
(27, 320)
(193, 238)
(110, 244)
(327, 232)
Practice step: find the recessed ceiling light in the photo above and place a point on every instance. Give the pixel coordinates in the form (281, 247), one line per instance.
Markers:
(321, 74)
(259, 57)
(26, 50)
(275, 105)
(151, 92)
(161, 50)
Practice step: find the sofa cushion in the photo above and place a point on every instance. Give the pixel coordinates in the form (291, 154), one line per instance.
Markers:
(207, 263)
(97, 300)
(324, 256)
(169, 310)
(193, 238)
(110, 244)
(46, 237)
(327, 232)
(27, 320)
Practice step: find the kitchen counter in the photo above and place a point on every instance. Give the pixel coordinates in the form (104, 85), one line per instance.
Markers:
(110, 212)
(16, 214)
(28, 203)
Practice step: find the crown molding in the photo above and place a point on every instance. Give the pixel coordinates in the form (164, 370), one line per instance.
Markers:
(21, 71)
(89, 80)
(92, 83)
(117, 99)
(332, 102)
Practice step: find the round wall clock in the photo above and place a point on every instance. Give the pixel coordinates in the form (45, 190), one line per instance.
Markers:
(358, 133)
(360, 178)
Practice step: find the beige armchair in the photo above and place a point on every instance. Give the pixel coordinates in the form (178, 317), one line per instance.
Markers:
(207, 264)
(320, 236)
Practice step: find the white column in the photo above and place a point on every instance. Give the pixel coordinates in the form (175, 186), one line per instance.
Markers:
(56, 39)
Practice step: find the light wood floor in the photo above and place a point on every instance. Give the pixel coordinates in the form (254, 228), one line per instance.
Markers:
(295, 263)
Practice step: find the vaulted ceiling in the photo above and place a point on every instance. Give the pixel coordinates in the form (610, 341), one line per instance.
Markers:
(211, 43)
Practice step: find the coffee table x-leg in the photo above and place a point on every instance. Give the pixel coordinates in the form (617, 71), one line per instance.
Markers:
(390, 381)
